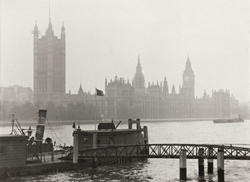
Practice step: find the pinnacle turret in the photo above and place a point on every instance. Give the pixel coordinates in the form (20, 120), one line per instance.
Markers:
(63, 31)
(165, 86)
(50, 28)
(63, 28)
(138, 67)
(188, 70)
(173, 90)
(139, 80)
(80, 91)
(36, 28)
(35, 31)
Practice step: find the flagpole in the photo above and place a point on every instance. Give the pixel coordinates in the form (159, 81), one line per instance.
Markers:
(95, 108)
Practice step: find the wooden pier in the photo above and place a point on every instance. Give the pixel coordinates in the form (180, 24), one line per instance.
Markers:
(178, 151)
(168, 151)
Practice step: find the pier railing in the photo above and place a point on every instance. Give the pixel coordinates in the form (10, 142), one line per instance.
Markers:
(193, 151)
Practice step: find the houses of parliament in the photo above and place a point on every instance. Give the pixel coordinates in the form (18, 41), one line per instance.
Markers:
(123, 99)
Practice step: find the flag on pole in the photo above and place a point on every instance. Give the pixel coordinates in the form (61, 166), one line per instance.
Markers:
(99, 92)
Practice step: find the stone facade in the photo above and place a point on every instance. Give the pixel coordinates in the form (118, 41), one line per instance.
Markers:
(16, 93)
(49, 64)
(124, 100)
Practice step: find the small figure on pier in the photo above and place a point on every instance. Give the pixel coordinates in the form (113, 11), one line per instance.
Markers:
(48, 140)
(102, 118)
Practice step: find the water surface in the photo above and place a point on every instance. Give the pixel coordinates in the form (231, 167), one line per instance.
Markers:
(186, 132)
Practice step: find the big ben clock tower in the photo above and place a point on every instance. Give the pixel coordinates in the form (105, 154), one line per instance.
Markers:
(188, 80)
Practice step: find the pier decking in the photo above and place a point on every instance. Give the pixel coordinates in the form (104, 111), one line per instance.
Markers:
(167, 151)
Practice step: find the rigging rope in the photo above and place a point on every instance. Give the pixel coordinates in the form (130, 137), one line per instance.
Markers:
(51, 129)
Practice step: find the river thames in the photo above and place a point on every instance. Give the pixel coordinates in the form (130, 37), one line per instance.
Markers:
(185, 132)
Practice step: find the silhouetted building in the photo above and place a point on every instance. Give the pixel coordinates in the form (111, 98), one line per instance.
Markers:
(122, 99)
(49, 64)
(16, 93)
(156, 102)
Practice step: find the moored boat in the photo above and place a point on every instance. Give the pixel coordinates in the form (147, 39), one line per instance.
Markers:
(21, 153)
(107, 135)
(24, 154)
(232, 120)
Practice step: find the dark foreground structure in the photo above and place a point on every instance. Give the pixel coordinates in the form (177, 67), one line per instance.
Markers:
(20, 155)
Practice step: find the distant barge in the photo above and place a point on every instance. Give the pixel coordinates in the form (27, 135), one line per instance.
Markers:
(233, 120)
(21, 154)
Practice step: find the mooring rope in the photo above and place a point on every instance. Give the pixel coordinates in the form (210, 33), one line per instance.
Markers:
(51, 132)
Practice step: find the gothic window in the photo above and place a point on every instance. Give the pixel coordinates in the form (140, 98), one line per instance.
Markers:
(44, 82)
(39, 86)
(43, 63)
(39, 63)
(43, 85)
(45, 59)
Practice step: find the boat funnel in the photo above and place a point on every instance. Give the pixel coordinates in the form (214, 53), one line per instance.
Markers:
(39, 132)
(42, 116)
(40, 125)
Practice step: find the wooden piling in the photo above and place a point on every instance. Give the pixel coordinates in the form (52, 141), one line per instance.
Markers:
(94, 140)
(220, 165)
(183, 165)
(210, 165)
(52, 153)
(129, 123)
(201, 162)
(138, 125)
(94, 160)
(145, 130)
(75, 148)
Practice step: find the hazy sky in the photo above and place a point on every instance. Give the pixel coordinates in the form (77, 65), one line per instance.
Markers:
(104, 39)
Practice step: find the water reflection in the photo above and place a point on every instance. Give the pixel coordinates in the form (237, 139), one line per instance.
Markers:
(131, 171)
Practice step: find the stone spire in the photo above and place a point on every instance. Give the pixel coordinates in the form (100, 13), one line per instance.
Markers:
(173, 90)
(188, 70)
(80, 91)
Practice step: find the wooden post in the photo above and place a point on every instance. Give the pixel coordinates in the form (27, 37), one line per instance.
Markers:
(41, 151)
(75, 148)
(183, 165)
(145, 130)
(210, 169)
(138, 125)
(94, 140)
(201, 162)
(52, 153)
(129, 123)
(94, 160)
(220, 165)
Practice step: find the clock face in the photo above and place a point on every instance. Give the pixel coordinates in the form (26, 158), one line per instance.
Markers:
(186, 78)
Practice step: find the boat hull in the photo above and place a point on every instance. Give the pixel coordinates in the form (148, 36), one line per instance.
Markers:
(228, 120)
